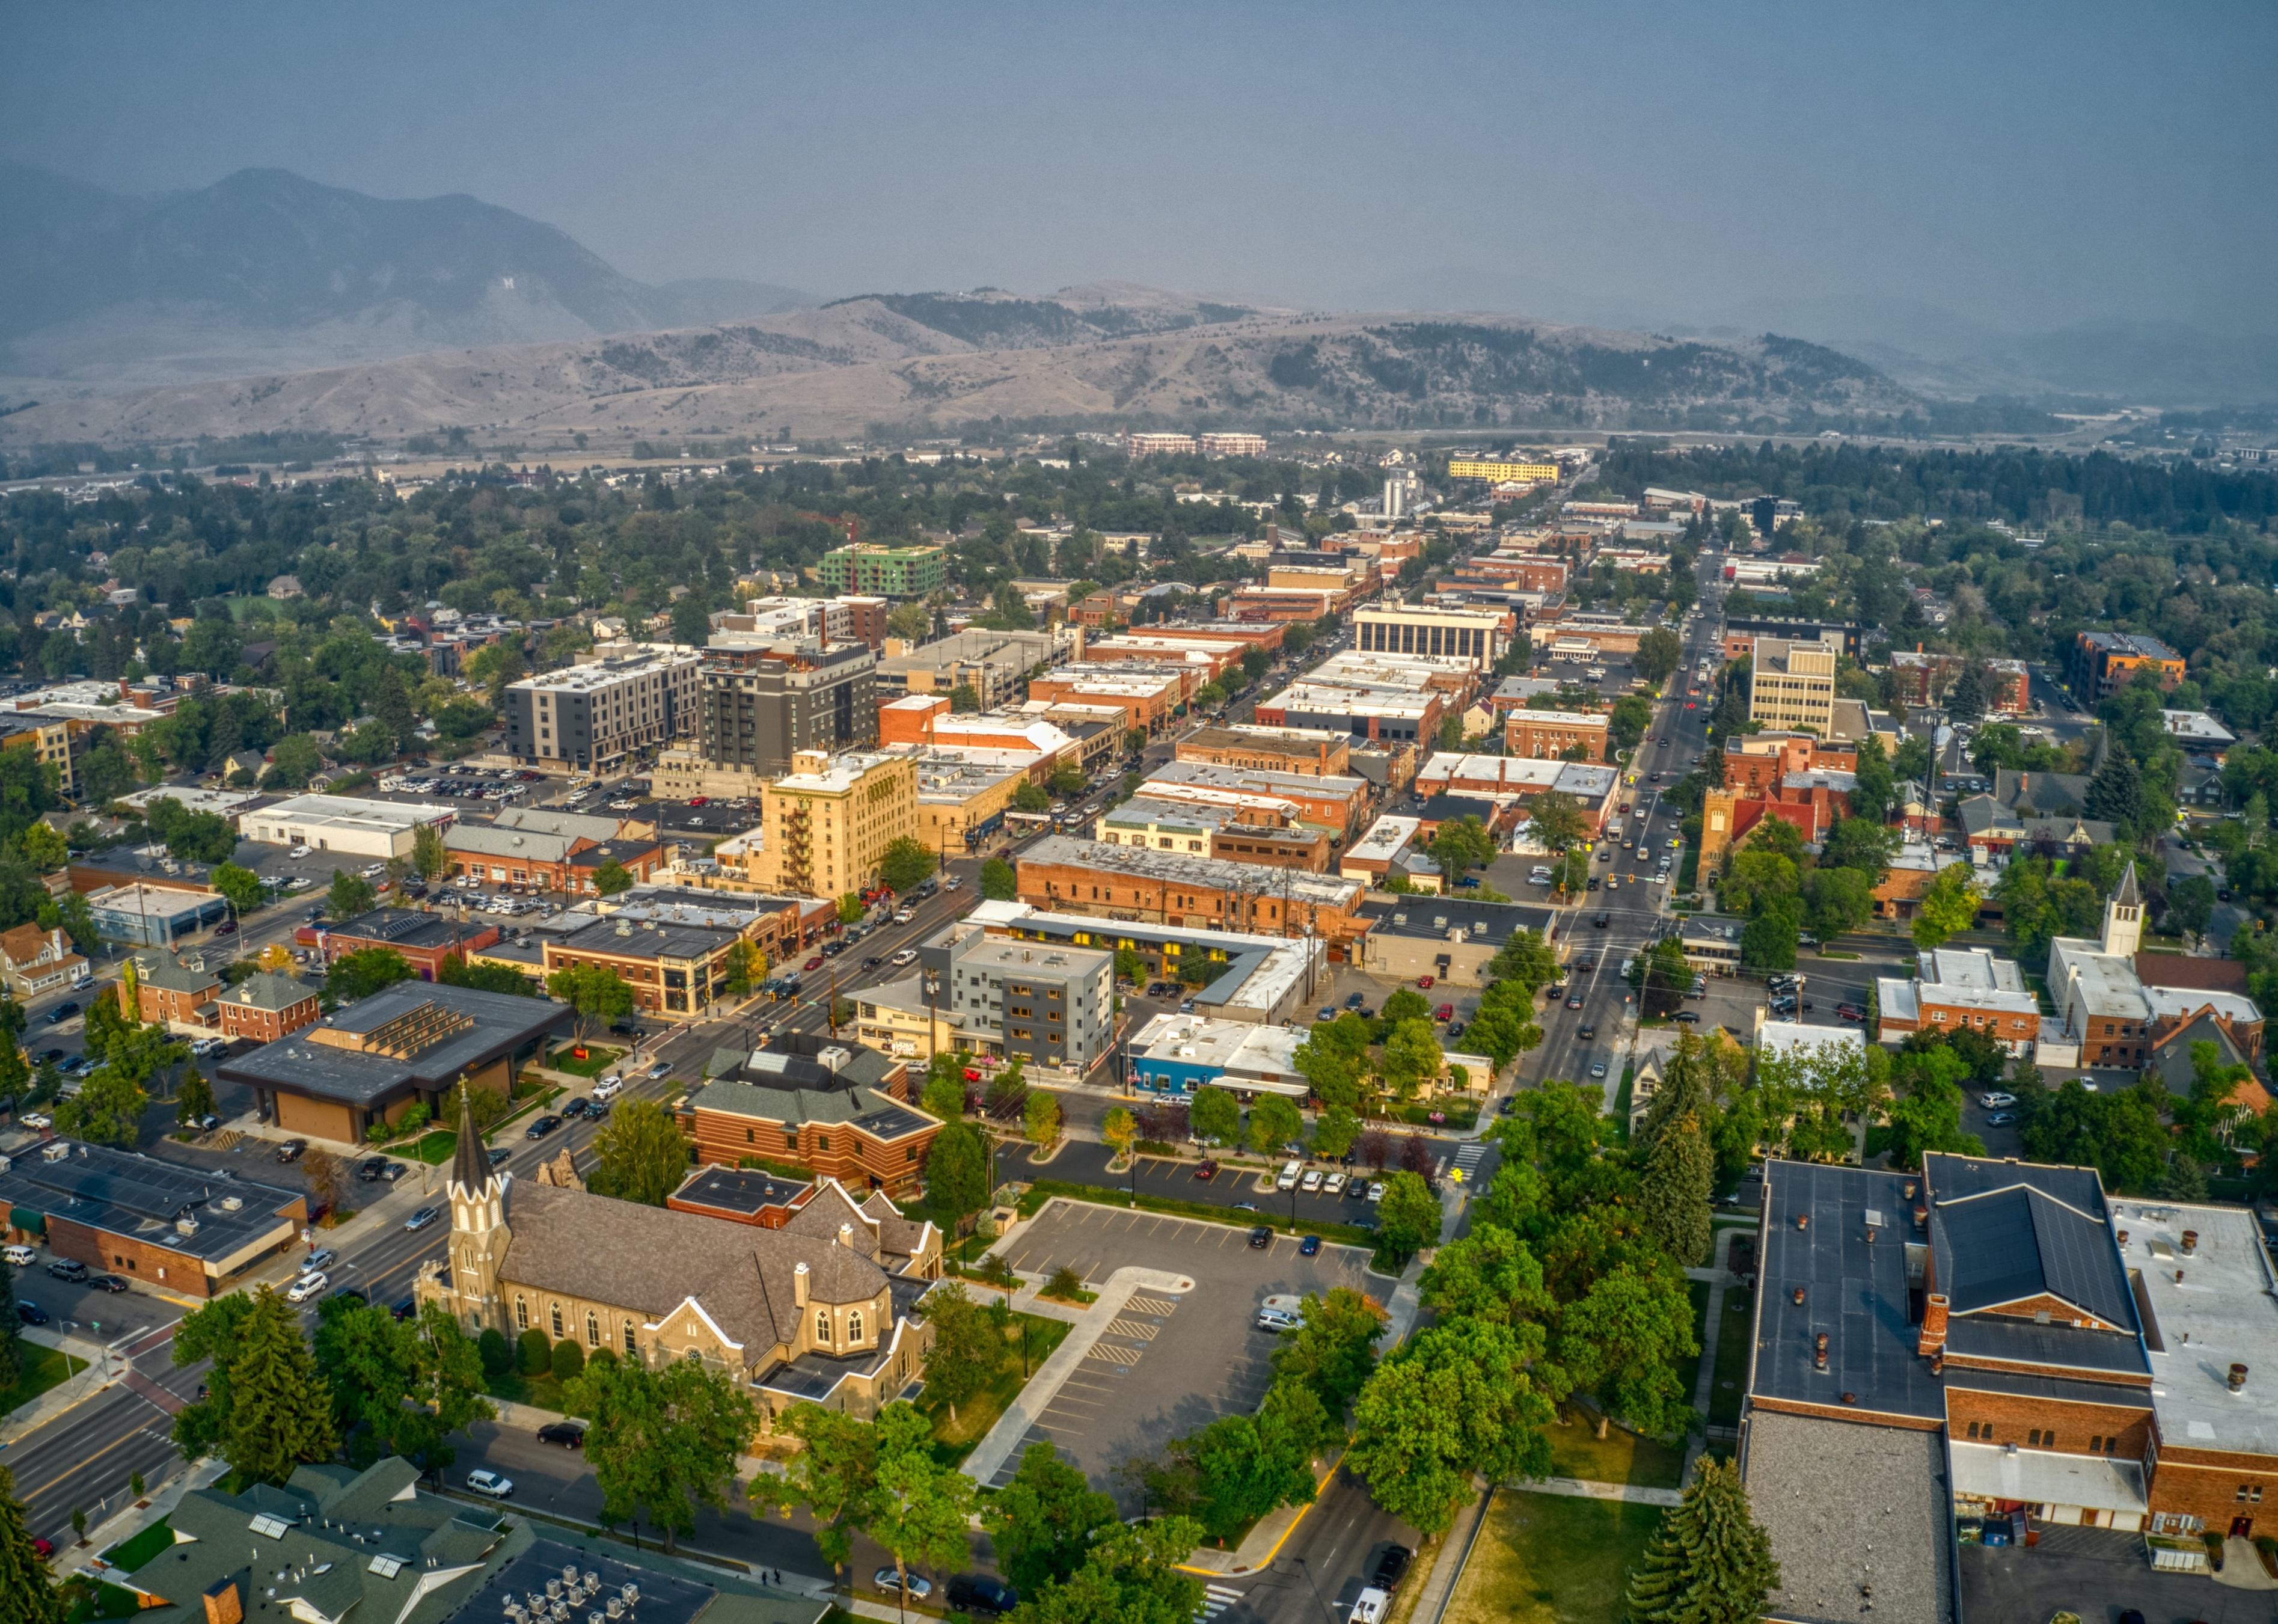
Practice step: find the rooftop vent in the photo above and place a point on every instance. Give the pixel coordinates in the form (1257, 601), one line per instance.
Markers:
(2236, 1377)
(2191, 1242)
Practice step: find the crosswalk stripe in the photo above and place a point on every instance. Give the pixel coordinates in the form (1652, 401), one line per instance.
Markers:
(1216, 1599)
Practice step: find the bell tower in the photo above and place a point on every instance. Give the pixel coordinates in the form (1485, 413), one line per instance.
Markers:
(2123, 918)
(478, 1231)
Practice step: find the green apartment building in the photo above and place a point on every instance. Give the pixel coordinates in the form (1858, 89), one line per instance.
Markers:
(868, 570)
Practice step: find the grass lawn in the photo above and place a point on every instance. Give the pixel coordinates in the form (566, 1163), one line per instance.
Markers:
(542, 1390)
(1622, 1104)
(598, 1059)
(1619, 1457)
(38, 1368)
(1731, 1372)
(133, 1554)
(954, 1440)
(434, 1148)
(1543, 1559)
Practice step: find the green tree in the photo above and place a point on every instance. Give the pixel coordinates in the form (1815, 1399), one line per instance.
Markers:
(1874, 793)
(568, 1361)
(661, 1442)
(1030, 797)
(638, 1154)
(456, 972)
(351, 894)
(1949, 907)
(957, 1171)
(968, 1347)
(1274, 1121)
(999, 882)
(194, 1099)
(1709, 1562)
(364, 972)
(597, 996)
(1659, 652)
(612, 878)
(1331, 1060)
(917, 1507)
(1767, 941)
(293, 761)
(1622, 1341)
(1044, 1522)
(833, 1476)
(1557, 820)
(1215, 1115)
(907, 862)
(1334, 1131)
(1040, 1119)
(107, 1110)
(1410, 1217)
(1486, 1274)
(1460, 1398)
(1068, 778)
(1527, 958)
(1863, 844)
(1333, 1351)
(1118, 1129)
(43, 846)
(1412, 1057)
(104, 1022)
(214, 1332)
(1129, 1576)
(27, 1592)
(279, 1412)
(431, 858)
(1674, 1195)
(1837, 901)
(534, 1352)
(242, 888)
(2191, 903)
(1250, 1464)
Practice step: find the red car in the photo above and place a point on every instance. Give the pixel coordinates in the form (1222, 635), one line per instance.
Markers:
(1206, 1171)
(1445, 1012)
(815, 962)
(1424, 981)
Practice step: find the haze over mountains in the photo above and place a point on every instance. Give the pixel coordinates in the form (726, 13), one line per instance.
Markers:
(267, 301)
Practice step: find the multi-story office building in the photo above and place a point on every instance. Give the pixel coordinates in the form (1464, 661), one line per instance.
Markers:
(1794, 686)
(1048, 1005)
(1158, 445)
(2103, 662)
(597, 715)
(1477, 635)
(1497, 470)
(873, 570)
(825, 826)
(991, 663)
(758, 707)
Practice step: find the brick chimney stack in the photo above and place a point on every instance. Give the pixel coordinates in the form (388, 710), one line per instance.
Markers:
(1933, 1325)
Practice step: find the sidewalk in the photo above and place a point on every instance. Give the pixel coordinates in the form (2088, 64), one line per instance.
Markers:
(135, 1516)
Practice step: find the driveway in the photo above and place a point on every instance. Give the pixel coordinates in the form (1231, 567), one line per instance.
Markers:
(1169, 1363)
(2097, 1573)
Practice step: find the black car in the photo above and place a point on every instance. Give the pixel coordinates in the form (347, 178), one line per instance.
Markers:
(1602, 921)
(1261, 1237)
(1690, 1017)
(68, 1268)
(50, 1057)
(291, 1150)
(498, 1153)
(405, 1308)
(371, 1169)
(108, 1282)
(1587, 1031)
(1391, 1568)
(578, 1106)
(1356, 1000)
(30, 1311)
(979, 1593)
(567, 1433)
(62, 1013)
(543, 1126)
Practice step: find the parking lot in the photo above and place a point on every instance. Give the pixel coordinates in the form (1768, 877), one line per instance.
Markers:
(1169, 1363)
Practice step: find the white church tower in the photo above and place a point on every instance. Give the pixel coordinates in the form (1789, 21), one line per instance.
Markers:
(2123, 918)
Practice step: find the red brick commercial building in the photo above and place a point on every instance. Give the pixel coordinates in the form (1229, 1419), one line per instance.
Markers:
(170, 1227)
(839, 1112)
(1120, 882)
(424, 940)
(155, 986)
(265, 1006)
(1313, 752)
(2086, 1360)
(1550, 734)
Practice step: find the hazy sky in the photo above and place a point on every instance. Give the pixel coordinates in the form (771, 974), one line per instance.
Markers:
(2020, 164)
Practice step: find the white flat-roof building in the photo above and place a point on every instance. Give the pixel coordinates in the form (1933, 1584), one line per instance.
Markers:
(379, 829)
(1806, 1038)
(223, 803)
(1178, 1054)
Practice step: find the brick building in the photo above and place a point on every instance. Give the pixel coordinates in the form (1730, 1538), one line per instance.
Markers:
(675, 970)
(838, 1112)
(422, 940)
(2100, 663)
(265, 1007)
(1550, 734)
(1315, 752)
(1958, 987)
(157, 987)
(1085, 876)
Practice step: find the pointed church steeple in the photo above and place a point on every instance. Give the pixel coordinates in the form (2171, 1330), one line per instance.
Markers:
(2123, 918)
(471, 1170)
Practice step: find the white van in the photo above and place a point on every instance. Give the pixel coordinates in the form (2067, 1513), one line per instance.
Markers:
(1370, 1607)
(1288, 1179)
(21, 1257)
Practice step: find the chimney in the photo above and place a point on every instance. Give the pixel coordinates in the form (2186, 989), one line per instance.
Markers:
(1921, 1216)
(846, 1235)
(222, 1604)
(1932, 1339)
(2191, 1242)
(1819, 1352)
(2237, 1378)
(1797, 1295)
(1803, 1221)
(799, 1286)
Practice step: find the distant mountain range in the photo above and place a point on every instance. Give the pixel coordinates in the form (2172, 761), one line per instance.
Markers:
(266, 271)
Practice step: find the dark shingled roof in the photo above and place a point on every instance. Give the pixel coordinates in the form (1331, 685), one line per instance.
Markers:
(2002, 1231)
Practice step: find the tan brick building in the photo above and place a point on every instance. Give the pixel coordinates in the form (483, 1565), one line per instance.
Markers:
(1550, 734)
(1792, 686)
(825, 826)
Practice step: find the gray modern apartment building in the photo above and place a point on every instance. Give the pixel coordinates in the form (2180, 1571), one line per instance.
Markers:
(758, 707)
(598, 714)
(1050, 1005)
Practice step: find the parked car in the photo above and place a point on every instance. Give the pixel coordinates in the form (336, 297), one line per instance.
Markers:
(2001, 1119)
(63, 1011)
(608, 1086)
(1690, 1017)
(1426, 982)
(1445, 1012)
(1995, 1101)
(1391, 1568)
(322, 1258)
(543, 1126)
(371, 1169)
(67, 1268)
(306, 1287)
(20, 1256)
(1276, 1319)
(1309, 1247)
(887, 1580)
(497, 1154)
(30, 1312)
(977, 1592)
(1261, 1237)
(486, 1481)
(291, 1150)
(1205, 1170)
(568, 1434)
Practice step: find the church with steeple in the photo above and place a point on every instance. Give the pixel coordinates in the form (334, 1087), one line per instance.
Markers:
(815, 1310)
(2101, 1004)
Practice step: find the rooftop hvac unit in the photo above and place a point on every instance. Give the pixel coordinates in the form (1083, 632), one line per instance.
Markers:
(834, 1058)
(230, 1204)
(56, 1151)
(186, 1226)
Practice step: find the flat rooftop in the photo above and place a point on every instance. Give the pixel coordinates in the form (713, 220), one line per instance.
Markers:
(1317, 890)
(1260, 780)
(739, 1190)
(1385, 839)
(287, 818)
(1847, 1506)
(123, 1192)
(501, 1022)
(2223, 1311)
(1788, 1037)
(635, 937)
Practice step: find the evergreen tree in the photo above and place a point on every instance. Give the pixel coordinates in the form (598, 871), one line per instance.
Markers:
(195, 1099)
(2116, 793)
(1710, 1563)
(1680, 1178)
(280, 1413)
(26, 1594)
(9, 1369)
